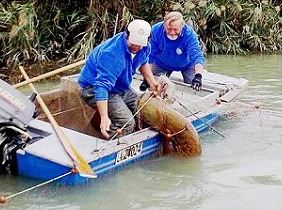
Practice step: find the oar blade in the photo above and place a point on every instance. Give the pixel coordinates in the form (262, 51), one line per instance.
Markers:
(90, 176)
(85, 170)
(82, 166)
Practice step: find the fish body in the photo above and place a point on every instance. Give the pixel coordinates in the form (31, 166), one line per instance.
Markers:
(162, 117)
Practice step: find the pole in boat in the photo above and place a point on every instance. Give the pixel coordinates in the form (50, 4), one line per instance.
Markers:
(213, 128)
(119, 130)
(49, 74)
(81, 165)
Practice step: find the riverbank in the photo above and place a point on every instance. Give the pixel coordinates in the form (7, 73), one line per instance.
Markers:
(38, 31)
(13, 76)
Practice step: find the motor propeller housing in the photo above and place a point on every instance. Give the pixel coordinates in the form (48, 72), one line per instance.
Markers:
(12, 138)
(16, 112)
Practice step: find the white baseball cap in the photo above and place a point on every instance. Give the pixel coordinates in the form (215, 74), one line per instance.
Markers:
(139, 32)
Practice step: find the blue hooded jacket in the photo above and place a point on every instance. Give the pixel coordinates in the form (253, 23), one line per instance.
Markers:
(109, 67)
(175, 55)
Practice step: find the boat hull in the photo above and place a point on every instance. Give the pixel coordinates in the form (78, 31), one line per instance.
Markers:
(35, 166)
(31, 165)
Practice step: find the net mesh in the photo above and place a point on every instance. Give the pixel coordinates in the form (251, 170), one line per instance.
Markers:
(67, 107)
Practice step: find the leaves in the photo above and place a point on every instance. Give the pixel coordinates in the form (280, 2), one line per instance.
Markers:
(235, 26)
(39, 30)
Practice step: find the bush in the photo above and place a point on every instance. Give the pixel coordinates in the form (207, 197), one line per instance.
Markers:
(40, 30)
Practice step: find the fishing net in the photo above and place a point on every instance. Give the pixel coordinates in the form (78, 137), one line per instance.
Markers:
(193, 103)
(182, 99)
(235, 109)
(67, 107)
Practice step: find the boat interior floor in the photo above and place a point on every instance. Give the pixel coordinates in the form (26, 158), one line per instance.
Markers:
(69, 110)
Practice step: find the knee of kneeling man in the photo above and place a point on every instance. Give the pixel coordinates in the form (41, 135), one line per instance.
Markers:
(130, 127)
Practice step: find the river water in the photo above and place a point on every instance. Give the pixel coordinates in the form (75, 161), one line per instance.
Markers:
(242, 171)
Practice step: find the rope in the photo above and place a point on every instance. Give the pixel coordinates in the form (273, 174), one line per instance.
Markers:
(4, 198)
(178, 132)
(213, 128)
(168, 135)
(120, 129)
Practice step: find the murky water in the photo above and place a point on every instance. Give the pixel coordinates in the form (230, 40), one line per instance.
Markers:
(242, 171)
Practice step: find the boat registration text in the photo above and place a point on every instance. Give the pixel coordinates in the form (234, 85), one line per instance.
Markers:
(129, 152)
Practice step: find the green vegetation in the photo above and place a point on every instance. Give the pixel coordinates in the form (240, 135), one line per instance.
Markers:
(34, 31)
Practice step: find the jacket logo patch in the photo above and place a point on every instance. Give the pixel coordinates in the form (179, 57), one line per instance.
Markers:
(178, 51)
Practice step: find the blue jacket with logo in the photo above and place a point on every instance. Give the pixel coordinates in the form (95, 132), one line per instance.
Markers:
(175, 55)
(109, 67)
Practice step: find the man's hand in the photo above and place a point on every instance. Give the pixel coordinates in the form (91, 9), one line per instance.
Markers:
(105, 126)
(105, 120)
(165, 84)
(155, 86)
(197, 82)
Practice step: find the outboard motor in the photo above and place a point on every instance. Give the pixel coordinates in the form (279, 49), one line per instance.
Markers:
(16, 112)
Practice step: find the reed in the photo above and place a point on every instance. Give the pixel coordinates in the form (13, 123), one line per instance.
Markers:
(20, 39)
(232, 27)
(43, 30)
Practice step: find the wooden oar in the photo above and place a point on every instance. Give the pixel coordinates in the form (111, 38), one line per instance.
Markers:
(80, 164)
(49, 74)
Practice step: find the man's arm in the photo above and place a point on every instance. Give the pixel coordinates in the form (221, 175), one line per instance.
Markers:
(149, 77)
(105, 120)
(197, 58)
(199, 68)
(194, 51)
(108, 70)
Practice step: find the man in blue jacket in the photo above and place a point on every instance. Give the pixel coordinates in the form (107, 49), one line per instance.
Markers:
(107, 75)
(175, 47)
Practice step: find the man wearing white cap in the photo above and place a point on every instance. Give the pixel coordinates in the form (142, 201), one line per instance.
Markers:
(107, 75)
